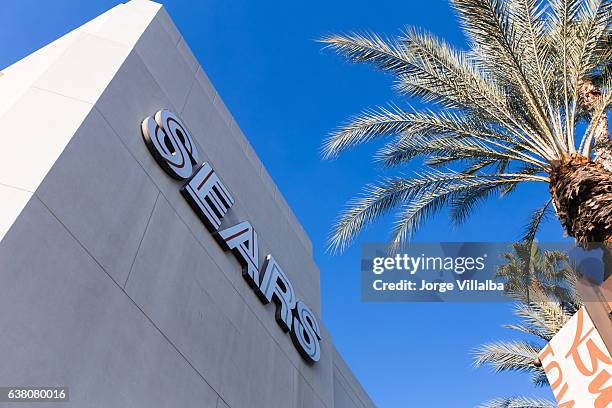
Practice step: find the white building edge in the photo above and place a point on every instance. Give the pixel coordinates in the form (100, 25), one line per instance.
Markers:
(110, 283)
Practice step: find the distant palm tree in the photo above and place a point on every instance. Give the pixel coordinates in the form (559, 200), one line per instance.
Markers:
(527, 267)
(543, 283)
(507, 111)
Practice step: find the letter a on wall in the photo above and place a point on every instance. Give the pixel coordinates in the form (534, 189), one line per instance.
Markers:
(242, 240)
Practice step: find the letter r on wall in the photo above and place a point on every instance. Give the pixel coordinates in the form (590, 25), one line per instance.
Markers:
(276, 286)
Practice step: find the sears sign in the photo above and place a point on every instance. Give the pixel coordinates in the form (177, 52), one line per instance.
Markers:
(172, 146)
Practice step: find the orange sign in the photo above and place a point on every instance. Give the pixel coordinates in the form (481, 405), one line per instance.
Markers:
(578, 365)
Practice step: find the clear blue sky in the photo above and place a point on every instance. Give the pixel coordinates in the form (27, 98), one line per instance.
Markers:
(286, 94)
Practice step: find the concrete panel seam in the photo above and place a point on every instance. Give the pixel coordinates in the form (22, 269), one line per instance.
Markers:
(38, 87)
(128, 296)
(241, 139)
(130, 151)
(168, 97)
(16, 188)
(313, 390)
(237, 134)
(220, 400)
(209, 88)
(88, 33)
(259, 320)
(193, 82)
(258, 167)
(203, 289)
(198, 241)
(126, 47)
(352, 390)
(161, 88)
(349, 387)
(170, 202)
(141, 239)
(188, 226)
(165, 19)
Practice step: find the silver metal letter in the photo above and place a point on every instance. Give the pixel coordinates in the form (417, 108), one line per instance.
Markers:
(306, 333)
(242, 240)
(208, 196)
(170, 144)
(276, 286)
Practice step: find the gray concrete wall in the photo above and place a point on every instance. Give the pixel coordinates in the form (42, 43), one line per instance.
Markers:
(111, 285)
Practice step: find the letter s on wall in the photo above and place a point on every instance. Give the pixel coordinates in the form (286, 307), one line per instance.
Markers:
(306, 334)
(170, 143)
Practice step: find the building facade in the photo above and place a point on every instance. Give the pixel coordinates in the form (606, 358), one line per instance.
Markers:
(115, 282)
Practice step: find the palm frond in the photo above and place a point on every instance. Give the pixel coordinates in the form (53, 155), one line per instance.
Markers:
(380, 122)
(589, 22)
(422, 192)
(599, 112)
(539, 378)
(593, 31)
(384, 53)
(518, 402)
(543, 284)
(510, 104)
(453, 78)
(535, 221)
(508, 356)
(368, 125)
(443, 148)
(547, 317)
(535, 49)
(465, 203)
(435, 196)
(497, 45)
(527, 330)
(445, 75)
(375, 201)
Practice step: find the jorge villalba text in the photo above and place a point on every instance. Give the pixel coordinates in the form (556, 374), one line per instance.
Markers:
(412, 264)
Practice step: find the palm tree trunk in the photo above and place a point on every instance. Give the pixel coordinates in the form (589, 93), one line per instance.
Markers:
(581, 190)
(603, 147)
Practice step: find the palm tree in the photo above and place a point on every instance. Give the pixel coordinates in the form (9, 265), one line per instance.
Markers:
(527, 102)
(527, 267)
(543, 283)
